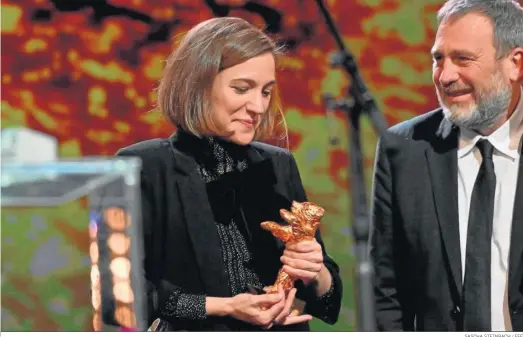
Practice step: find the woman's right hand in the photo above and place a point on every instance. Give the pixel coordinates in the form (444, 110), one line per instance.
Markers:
(263, 310)
(259, 310)
(266, 310)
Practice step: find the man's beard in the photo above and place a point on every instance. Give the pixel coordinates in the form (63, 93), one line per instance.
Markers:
(490, 103)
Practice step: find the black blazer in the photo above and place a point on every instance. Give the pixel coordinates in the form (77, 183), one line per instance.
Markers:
(415, 243)
(181, 243)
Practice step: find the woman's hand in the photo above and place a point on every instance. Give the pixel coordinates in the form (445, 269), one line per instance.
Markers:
(263, 310)
(250, 308)
(303, 260)
(287, 316)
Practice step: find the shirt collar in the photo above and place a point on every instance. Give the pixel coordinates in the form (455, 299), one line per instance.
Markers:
(505, 139)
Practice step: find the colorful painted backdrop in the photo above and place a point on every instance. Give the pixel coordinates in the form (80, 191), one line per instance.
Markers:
(84, 71)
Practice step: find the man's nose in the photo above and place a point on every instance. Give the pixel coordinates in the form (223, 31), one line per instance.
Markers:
(449, 74)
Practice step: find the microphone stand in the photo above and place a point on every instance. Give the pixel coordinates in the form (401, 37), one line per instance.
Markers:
(361, 102)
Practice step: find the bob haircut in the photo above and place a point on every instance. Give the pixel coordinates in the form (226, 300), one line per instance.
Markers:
(184, 91)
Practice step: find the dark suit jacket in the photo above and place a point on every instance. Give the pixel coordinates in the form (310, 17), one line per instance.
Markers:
(415, 243)
(181, 243)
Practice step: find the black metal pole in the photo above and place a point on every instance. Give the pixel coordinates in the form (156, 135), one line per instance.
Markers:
(361, 102)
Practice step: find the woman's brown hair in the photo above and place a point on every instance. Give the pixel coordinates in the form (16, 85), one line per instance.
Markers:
(184, 92)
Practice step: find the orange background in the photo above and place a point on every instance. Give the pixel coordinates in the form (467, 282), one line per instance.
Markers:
(84, 71)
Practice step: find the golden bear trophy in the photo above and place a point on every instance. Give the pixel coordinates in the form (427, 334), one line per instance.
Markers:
(303, 220)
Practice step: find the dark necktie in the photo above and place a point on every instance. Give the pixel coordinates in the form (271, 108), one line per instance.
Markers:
(476, 286)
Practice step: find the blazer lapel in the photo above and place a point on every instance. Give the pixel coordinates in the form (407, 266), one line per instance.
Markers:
(516, 238)
(200, 225)
(442, 163)
(275, 200)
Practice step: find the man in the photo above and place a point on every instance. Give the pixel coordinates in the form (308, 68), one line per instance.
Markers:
(447, 241)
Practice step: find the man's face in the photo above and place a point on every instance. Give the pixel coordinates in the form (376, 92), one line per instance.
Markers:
(472, 86)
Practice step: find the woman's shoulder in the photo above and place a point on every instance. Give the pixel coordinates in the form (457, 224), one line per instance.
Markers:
(268, 150)
(155, 154)
(146, 149)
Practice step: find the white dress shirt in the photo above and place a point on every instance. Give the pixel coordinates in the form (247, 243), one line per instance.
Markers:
(506, 141)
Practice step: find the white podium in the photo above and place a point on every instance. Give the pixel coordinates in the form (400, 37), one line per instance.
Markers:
(71, 245)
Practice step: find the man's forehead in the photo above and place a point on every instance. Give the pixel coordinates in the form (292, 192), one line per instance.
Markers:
(472, 31)
(470, 24)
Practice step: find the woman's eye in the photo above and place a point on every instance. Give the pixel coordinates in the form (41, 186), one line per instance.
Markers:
(240, 90)
(266, 93)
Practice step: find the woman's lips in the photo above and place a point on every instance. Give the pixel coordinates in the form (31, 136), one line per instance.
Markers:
(247, 122)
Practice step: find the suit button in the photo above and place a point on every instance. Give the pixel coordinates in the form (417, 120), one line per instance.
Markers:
(455, 312)
(513, 310)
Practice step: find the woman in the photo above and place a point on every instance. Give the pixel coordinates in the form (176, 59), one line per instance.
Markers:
(207, 188)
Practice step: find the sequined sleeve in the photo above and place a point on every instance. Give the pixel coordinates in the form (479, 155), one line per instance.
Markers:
(325, 307)
(185, 306)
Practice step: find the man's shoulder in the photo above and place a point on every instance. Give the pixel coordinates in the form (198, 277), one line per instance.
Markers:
(420, 127)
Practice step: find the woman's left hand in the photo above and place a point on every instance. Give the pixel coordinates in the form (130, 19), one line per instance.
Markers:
(303, 260)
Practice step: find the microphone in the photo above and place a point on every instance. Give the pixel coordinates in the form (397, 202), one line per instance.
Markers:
(331, 105)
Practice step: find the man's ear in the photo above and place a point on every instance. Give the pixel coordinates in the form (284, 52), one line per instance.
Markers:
(516, 64)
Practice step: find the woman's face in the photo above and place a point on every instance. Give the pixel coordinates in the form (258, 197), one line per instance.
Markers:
(241, 96)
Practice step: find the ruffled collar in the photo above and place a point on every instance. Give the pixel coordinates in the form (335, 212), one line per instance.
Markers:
(214, 155)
